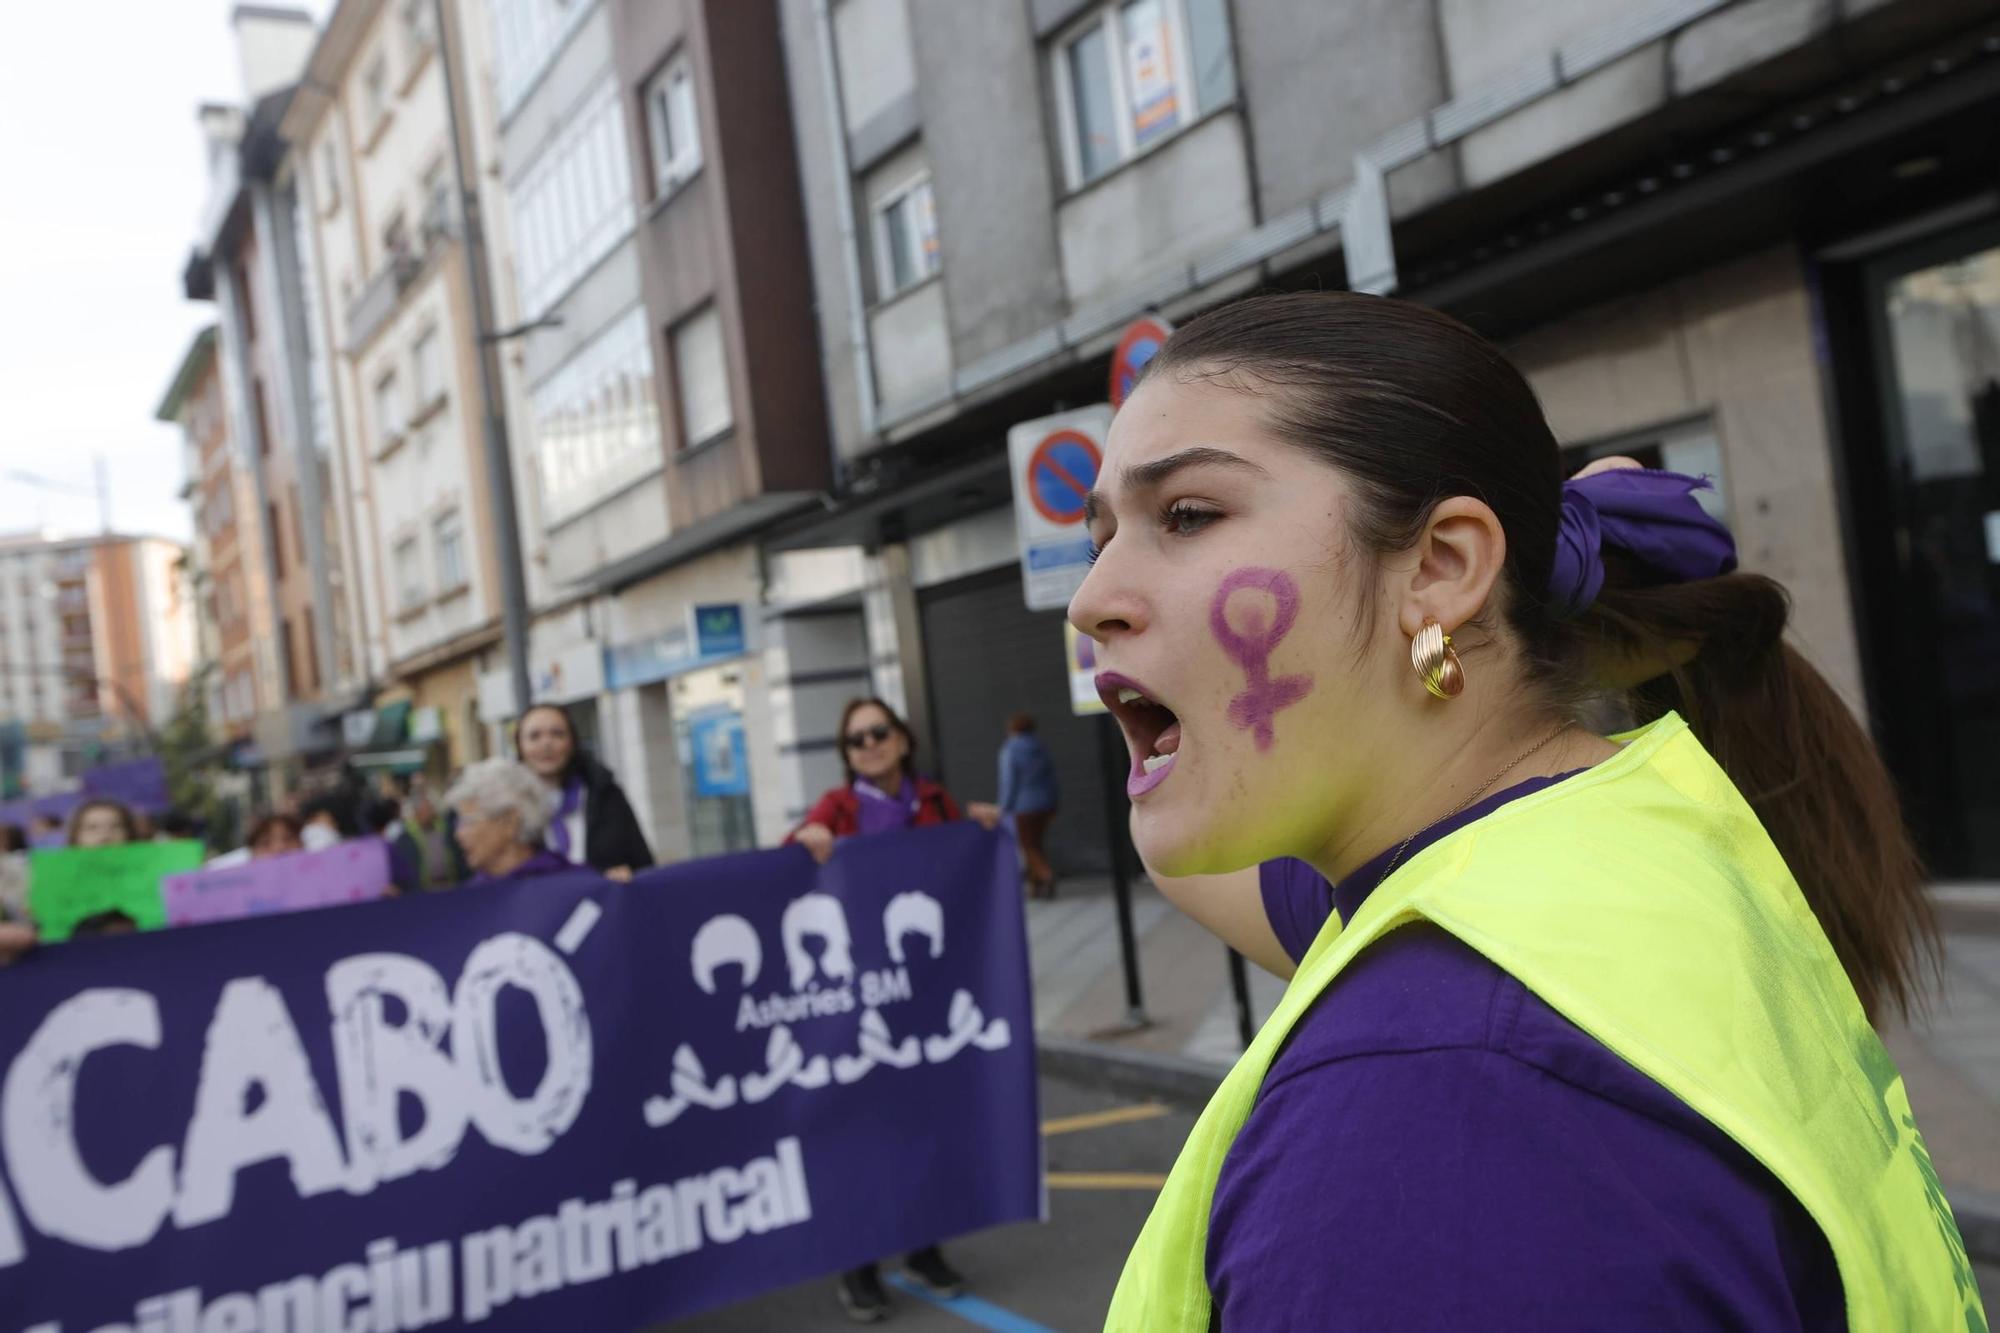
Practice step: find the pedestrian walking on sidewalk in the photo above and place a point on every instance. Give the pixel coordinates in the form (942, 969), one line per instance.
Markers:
(882, 794)
(1581, 1034)
(1028, 792)
(593, 823)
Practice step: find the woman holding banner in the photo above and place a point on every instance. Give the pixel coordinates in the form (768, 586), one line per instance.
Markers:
(593, 823)
(502, 814)
(882, 794)
(1582, 1036)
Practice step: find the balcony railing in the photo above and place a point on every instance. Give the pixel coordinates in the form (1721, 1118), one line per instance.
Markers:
(377, 301)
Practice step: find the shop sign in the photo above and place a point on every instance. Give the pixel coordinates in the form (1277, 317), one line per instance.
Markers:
(427, 724)
(715, 632)
(718, 630)
(721, 759)
(357, 728)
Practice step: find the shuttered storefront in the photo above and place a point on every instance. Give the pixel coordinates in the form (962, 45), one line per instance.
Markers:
(989, 657)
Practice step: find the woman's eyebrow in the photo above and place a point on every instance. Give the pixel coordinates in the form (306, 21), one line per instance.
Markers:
(1149, 476)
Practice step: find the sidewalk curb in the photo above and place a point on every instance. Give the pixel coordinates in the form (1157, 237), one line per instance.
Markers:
(1978, 1215)
(1175, 1078)
(1100, 1064)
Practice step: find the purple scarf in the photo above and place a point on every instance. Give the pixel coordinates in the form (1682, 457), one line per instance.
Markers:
(572, 801)
(883, 813)
(1652, 516)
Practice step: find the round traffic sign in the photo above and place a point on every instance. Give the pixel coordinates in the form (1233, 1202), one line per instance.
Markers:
(1061, 471)
(1141, 341)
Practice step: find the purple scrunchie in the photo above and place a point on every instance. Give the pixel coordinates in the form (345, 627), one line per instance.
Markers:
(1651, 516)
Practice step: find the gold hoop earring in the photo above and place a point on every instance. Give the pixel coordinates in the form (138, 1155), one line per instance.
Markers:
(1436, 661)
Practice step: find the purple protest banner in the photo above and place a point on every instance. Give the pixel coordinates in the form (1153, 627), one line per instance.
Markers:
(349, 873)
(139, 783)
(547, 1103)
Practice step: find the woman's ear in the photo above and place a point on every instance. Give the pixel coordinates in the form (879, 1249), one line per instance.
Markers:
(1459, 556)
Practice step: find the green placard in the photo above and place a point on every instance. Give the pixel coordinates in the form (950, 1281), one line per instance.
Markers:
(67, 885)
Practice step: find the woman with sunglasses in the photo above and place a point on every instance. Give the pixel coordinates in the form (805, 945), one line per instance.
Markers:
(1580, 1036)
(883, 793)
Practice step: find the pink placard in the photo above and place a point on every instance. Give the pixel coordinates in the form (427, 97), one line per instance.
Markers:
(350, 873)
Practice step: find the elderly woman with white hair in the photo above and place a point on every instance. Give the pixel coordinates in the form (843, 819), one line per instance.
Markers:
(502, 812)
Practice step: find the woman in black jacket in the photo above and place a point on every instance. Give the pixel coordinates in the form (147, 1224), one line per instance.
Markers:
(593, 823)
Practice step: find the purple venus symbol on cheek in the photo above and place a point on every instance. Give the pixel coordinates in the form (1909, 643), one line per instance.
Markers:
(1251, 646)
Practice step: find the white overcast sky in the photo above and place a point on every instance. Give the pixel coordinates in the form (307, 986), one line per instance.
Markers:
(101, 183)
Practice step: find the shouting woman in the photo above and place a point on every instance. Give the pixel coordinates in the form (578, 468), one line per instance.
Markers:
(1577, 1033)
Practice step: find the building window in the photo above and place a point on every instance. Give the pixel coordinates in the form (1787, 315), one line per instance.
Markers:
(437, 205)
(1133, 73)
(448, 532)
(388, 410)
(276, 520)
(673, 126)
(906, 237)
(245, 306)
(573, 204)
(257, 406)
(292, 690)
(701, 377)
(527, 35)
(596, 421)
(427, 369)
(396, 238)
(299, 526)
(329, 177)
(409, 574)
(418, 33)
(375, 91)
(309, 650)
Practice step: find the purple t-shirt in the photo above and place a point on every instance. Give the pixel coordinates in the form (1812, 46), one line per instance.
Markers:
(1435, 1147)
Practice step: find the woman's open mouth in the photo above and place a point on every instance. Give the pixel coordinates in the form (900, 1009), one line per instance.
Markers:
(1152, 731)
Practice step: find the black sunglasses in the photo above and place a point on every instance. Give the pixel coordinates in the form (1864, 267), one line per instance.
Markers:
(867, 736)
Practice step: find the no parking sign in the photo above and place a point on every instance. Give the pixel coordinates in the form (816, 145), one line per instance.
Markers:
(1055, 461)
(1141, 342)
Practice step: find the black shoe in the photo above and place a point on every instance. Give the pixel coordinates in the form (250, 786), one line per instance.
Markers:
(939, 1278)
(861, 1295)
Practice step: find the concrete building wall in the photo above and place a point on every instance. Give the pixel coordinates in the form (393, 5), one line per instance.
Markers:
(1002, 270)
(379, 188)
(1184, 198)
(1306, 127)
(1733, 343)
(31, 684)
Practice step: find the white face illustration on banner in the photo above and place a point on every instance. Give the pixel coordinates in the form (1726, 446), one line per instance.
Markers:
(913, 913)
(726, 939)
(817, 914)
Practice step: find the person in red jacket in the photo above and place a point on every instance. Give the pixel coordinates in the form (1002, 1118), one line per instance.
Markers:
(881, 795)
(883, 792)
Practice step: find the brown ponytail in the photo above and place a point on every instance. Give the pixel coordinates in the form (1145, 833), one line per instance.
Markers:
(1412, 407)
(1795, 751)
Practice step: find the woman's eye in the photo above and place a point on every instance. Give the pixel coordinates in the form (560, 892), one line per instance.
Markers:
(1185, 519)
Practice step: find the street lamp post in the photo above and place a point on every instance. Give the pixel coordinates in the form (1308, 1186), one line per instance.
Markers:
(499, 470)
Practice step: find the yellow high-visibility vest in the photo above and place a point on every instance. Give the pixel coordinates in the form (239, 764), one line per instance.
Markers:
(1644, 902)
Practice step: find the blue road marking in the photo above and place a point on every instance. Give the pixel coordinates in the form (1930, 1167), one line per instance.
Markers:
(970, 1308)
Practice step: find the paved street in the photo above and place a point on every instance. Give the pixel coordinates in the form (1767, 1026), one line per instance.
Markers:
(1057, 1275)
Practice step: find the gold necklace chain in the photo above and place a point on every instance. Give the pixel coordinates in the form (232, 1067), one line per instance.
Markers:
(1484, 787)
